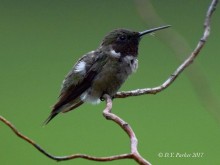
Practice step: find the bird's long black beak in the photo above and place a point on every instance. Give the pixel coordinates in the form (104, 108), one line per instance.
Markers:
(153, 30)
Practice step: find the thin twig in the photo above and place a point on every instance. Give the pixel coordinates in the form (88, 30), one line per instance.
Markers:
(127, 128)
(61, 158)
(108, 115)
(183, 66)
(196, 76)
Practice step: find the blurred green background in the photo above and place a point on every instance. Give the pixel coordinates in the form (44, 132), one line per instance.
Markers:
(41, 40)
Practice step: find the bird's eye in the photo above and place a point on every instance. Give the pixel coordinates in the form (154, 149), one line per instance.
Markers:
(122, 37)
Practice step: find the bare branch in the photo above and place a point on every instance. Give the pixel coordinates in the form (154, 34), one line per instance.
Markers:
(62, 158)
(127, 128)
(108, 115)
(183, 66)
(196, 76)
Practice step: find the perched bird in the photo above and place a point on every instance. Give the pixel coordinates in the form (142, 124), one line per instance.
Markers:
(101, 71)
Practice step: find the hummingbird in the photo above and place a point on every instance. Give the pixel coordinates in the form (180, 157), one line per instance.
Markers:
(101, 71)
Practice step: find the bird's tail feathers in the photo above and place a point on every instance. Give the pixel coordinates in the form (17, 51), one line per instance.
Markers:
(73, 106)
(52, 115)
(65, 108)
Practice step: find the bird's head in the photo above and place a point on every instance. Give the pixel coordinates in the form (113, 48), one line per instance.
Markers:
(125, 41)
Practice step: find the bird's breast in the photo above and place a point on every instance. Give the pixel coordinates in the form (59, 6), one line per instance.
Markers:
(113, 74)
(110, 78)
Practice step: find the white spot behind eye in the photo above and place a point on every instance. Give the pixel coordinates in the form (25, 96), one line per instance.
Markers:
(81, 67)
(114, 54)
